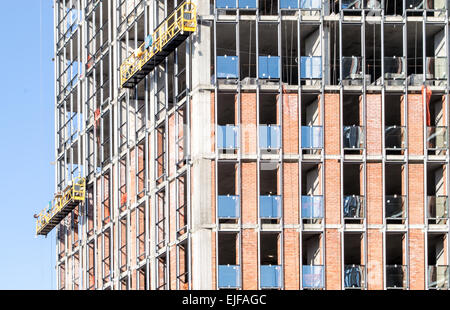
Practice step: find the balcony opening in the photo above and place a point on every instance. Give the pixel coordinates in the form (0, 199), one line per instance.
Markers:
(332, 60)
(311, 55)
(312, 129)
(160, 220)
(312, 199)
(229, 275)
(142, 278)
(160, 160)
(436, 55)
(437, 136)
(269, 129)
(183, 269)
(90, 262)
(289, 49)
(268, 7)
(161, 275)
(170, 81)
(269, 197)
(182, 207)
(227, 130)
(106, 139)
(352, 62)
(354, 272)
(415, 54)
(354, 202)
(438, 275)
(396, 268)
(395, 201)
(180, 73)
(228, 209)
(437, 199)
(247, 52)
(373, 51)
(394, 129)
(140, 232)
(106, 198)
(353, 134)
(137, 106)
(123, 283)
(313, 270)
(268, 60)
(393, 7)
(270, 260)
(90, 210)
(394, 62)
(106, 257)
(227, 69)
(123, 244)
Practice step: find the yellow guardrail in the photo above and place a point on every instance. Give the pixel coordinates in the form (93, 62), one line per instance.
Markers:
(183, 19)
(74, 192)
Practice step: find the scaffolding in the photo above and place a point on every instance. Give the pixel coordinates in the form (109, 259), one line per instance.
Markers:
(170, 34)
(60, 206)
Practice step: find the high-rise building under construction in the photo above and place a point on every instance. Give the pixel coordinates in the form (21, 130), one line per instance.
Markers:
(251, 144)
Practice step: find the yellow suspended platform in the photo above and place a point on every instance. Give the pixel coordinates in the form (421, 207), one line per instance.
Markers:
(60, 206)
(173, 31)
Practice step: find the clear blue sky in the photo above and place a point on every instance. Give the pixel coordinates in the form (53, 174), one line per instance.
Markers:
(26, 143)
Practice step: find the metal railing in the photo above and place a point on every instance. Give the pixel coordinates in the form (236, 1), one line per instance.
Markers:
(436, 68)
(183, 19)
(354, 276)
(394, 68)
(395, 207)
(312, 137)
(396, 276)
(353, 137)
(352, 68)
(395, 137)
(228, 207)
(269, 137)
(312, 207)
(270, 276)
(227, 137)
(353, 207)
(437, 207)
(72, 193)
(437, 137)
(313, 276)
(269, 206)
(229, 276)
(438, 277)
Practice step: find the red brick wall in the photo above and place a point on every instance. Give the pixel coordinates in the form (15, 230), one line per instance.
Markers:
(290, 193)
(416, 259)
(332, 124)
(333, 268)
(290, 123)
(374, 124)
(415, 124)
(374, 193)
(248, 121)
(332, 192)
(415, 194)
(249, 195)
(249, 259)
(291, 259)
(375, 259)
